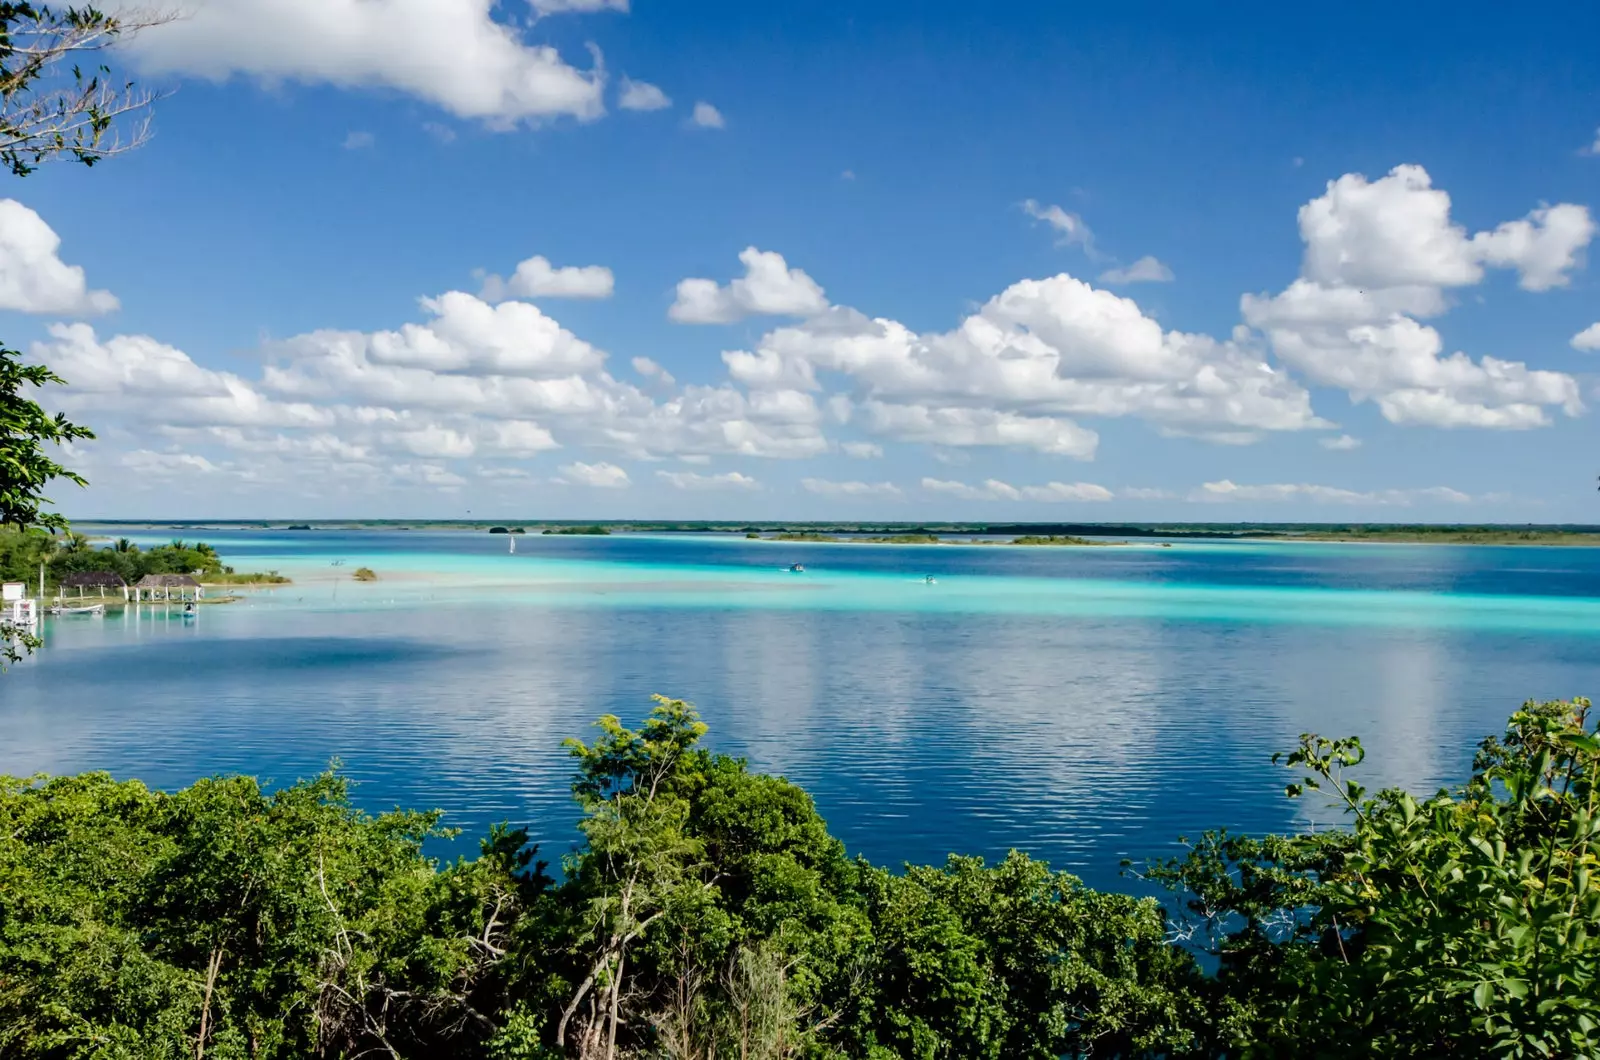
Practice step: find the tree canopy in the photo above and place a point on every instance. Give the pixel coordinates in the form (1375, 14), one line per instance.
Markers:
(708, 913)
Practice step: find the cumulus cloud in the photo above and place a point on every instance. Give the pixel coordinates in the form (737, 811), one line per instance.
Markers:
(767, 288)
(706, 116)
(33, 278)
(689, 480)
(1069, 227)
(641, 95)
(598, 476)
(1343, 443)
(828, 488)
(1379, 256)
(1146, 270)
(456, 56)
(356, 141)
(1226, 490)
(1588, 338)
(996, 490)
(537, 278)
(862, 450)
(1020, 370)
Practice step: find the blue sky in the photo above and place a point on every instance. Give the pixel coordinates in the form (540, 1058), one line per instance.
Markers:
(936, 199)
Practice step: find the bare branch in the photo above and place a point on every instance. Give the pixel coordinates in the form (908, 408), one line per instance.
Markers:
(51, 108)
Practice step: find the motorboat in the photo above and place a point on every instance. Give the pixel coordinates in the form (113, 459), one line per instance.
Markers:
(797, 568)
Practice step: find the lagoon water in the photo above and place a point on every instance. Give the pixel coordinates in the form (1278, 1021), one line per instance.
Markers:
(1082, 704)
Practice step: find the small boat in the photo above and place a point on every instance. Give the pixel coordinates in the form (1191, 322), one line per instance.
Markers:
(797, 568)
(929, 580)
(92, 609)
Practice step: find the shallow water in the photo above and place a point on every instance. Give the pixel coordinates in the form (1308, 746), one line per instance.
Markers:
(1083, 704)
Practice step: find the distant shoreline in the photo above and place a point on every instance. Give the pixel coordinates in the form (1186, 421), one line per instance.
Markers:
(938, 533)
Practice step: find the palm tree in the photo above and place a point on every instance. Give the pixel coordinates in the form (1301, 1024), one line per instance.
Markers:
(75, 542)
(124, 545)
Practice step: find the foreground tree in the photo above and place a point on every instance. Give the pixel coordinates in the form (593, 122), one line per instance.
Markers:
(1462, 925)
(709, 914)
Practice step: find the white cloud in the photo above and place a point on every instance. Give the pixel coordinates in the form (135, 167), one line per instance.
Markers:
(958, 426)
(1146, 270)
(1019, 369)
(137, 376)
(1343, 443)
(1378, 256)
(1588, 338)
(826, 488)
(1141, 493)
(465, 335)
(356, 141)
(455, 55)
(767, 288)
(706, 116)
(641, 95)
(654, 372)
(862, 450)
(1225, 490)
(1543, 247)
(33, 278)
(996, 490)
(537, 278)
(689, 480)
(1069, 227)
(599, 476)
(148, 463)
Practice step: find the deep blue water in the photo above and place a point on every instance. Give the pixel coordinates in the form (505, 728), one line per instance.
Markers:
(1084, 705)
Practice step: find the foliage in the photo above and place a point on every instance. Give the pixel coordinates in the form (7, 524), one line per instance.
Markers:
(22, 553)
(223, 921)
(1461, 925)
(49, 110)
(1052, 539)
(365, 574)
(25, 430)
(709, 913)
(578, 531)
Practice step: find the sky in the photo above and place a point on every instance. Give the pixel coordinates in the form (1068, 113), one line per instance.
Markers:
(830, 260)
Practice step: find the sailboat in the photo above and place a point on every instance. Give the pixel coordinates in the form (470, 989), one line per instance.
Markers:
(513, 546)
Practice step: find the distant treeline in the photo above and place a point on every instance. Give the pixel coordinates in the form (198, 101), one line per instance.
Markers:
(709, 913)
(1485, 533)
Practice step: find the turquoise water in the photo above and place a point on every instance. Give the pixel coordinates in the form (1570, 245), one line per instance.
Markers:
(1082, 704)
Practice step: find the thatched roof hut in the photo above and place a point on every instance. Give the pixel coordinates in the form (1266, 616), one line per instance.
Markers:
(94, 579)
(167, 581)
(164, 586)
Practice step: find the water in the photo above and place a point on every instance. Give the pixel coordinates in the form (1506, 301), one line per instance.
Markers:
(1081, 704)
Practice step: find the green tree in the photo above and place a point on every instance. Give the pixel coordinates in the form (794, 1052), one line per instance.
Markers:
(1460, 925)
(26, 430)
(222, 921)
